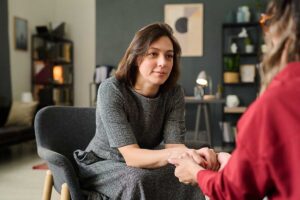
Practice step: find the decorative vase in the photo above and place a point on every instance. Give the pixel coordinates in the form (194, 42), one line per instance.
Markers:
(232, 101)
(233, 48)
(249, 48)
(243, 14)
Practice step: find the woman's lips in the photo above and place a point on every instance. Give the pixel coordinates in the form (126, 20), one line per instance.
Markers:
(161, 73)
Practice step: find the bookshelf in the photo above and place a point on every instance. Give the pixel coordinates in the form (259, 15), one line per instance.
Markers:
(239, 71)
(52, 70)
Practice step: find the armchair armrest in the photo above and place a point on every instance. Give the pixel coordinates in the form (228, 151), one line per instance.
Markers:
(62, 170)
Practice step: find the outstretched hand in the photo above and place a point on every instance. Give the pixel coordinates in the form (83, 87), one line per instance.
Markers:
(205, 157)
(210, 157)
(186, 168)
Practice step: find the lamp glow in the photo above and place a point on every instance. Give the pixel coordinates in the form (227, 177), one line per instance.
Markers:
(202, 79)
(58, 74)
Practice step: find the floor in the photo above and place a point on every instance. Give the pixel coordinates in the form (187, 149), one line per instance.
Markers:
(18, 181)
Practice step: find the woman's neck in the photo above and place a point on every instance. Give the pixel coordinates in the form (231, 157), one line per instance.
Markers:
(146, 90)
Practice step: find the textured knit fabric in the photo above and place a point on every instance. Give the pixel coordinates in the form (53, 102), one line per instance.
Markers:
(124, 117)
(266, 160)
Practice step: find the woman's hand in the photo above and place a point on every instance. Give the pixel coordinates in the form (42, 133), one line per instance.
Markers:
(186, 168)
(210, 157)
(178, 151)
(205, 157)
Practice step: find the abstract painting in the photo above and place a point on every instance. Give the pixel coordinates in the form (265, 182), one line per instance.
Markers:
(186, 21)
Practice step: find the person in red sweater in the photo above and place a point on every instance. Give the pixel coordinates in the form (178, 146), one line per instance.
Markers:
(266, 161)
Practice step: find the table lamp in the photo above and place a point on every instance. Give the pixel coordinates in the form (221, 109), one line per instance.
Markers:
(201, 83)
(203, 80)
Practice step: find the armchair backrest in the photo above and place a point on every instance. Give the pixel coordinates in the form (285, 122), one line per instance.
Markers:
(64, 129)
(59, 131)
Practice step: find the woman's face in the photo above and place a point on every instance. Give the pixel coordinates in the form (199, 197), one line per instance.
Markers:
(156, 65)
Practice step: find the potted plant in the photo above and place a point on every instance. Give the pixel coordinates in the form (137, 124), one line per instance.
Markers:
(249, 47)
(231, 71)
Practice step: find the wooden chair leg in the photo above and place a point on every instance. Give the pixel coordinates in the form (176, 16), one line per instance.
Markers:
(65, 193)
(48, 186)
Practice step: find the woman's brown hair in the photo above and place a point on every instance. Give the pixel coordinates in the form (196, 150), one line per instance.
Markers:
(127, 69)
(284, 26)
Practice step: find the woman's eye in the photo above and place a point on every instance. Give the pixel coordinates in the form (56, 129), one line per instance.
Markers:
(170, 56)
(152, 54)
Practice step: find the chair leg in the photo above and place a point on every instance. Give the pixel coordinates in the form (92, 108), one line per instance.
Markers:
(48, 186)
(65, 193)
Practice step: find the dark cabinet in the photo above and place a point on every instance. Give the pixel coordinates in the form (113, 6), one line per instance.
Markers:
(241, 52)
(52, 70)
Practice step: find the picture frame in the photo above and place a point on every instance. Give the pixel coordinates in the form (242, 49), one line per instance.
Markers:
(247, 73)
(20, 34)
(187, 22)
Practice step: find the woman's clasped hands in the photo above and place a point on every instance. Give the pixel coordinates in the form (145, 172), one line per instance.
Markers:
(189, 163)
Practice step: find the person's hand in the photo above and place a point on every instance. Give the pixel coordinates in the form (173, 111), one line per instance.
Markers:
(197, 157)
(186, 168)
(211, 158)
(175, 152)
(178, 151)
(223, 158)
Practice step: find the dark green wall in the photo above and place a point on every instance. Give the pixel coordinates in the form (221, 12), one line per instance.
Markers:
(117, 21)
(5, 80)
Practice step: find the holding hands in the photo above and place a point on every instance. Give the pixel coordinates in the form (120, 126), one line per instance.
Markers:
(192, 161)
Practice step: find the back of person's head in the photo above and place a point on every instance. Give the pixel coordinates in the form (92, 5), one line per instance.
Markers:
(283, 25)
(127, 68)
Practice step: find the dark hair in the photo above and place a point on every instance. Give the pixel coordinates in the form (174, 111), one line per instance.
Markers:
(284, 25)
(127, 69)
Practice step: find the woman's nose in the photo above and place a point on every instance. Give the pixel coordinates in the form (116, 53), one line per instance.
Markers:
(161, 61)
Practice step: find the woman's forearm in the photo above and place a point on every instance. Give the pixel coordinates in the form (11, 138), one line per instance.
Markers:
(144, 158)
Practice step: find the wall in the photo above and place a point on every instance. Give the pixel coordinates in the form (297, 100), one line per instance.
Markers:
(80, 27)
(80, 19)
(36, 12)
(117, 21)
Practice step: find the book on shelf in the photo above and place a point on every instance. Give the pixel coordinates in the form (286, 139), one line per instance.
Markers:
(229, 132)
(61, 96)
(67, 52)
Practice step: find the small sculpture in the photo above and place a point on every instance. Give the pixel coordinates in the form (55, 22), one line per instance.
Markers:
(233, 47)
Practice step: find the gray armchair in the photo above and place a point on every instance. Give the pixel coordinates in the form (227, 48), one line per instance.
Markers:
(59, 131)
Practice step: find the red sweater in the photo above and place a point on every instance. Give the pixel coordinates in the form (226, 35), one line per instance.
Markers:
(266, 161)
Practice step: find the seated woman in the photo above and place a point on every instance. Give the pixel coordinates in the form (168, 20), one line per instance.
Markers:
(138, 109)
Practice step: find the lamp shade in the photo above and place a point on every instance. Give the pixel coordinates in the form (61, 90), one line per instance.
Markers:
(202, 79)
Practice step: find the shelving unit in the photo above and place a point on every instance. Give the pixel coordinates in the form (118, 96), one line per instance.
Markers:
(245, 88)
(52, 70)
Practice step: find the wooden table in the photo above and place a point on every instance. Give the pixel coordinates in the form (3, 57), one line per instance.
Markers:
(202, 104)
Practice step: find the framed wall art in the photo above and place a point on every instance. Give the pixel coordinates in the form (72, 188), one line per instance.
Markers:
(186, 21)
(20, 33)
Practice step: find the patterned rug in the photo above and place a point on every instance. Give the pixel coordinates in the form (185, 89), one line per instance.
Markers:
(42, 166)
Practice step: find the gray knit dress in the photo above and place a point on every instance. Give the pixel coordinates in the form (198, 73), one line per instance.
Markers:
(124, 117)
